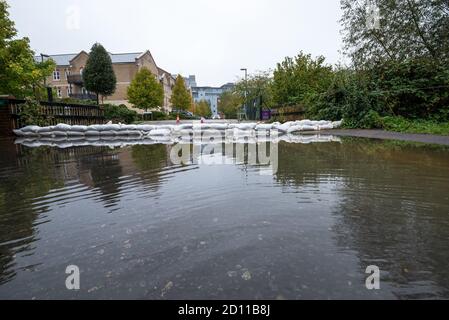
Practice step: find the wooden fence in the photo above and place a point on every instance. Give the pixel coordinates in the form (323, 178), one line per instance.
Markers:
(54, 112)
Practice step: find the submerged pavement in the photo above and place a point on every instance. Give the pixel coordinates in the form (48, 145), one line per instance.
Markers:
(389, 135)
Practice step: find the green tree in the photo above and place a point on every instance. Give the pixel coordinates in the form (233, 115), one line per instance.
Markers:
(98, 75)
(229, 104)
(395, 30)
(20, 74)
(180, 97)
(300, 79)
(202, 108)
(258, 85)
(145, 92)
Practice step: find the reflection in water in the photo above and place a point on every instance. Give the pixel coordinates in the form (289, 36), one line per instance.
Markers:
(139, 226)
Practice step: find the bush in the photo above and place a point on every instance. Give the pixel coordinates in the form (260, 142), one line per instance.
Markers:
(31, 114)
(119, 113)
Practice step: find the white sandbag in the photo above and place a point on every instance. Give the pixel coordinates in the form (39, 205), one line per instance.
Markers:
(166, 126)
(62, 127)
(309, 128)
(91, 132)
(337, 124)
(327, 126)
(219, 126)
(283, 127)
(18, 132)
(108, 133)
(185, 126)
(34, 129)
(245, 126)
(264, 126)
(75, 134)
(145, 127)
(159, 132)
(44, 129)
(59, 133)
(110, 127)
(294, 128)
(304, 123)
(95, 127)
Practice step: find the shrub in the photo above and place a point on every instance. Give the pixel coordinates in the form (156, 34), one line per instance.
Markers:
(119, 113)
(31, 114)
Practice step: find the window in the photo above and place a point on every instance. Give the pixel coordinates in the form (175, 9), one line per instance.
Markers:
(56, 75)
(58, 92)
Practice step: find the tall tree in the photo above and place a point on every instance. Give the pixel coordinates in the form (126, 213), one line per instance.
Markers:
(180, 97)
(394, 30)
(20, 74)
(145, 92)
(98, 75)
(229, 104)
(298, 80)
(202, 108)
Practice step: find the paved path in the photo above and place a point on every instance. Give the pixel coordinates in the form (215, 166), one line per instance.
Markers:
(381, 134)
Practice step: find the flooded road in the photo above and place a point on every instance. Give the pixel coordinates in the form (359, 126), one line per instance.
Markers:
(139, 226)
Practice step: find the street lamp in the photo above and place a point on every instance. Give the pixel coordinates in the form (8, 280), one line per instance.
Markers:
(246, 88)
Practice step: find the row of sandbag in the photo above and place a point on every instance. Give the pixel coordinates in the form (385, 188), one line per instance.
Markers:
(67, 142)
(65, 130)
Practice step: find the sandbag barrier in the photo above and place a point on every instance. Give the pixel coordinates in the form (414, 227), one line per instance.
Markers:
(179, 130)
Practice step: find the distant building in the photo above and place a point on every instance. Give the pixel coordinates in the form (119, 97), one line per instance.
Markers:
(190, 81)
(68, 81)
(210, 94)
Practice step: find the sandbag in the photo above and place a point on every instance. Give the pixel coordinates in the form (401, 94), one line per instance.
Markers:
(159, 132)
(145, 127)
(62, 127)
(75, 134)
(92, 133)
(264, 126)
(30, 129)
(326, 127)
(59, 133)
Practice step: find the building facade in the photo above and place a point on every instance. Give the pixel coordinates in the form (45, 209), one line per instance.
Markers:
(67, 78)
(211, 95)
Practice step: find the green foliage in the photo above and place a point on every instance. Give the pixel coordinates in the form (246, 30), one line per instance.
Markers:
(415, 126)
(229, 104)
(98, 75)
(180, 98)
(145, 92)
(258, 85)
(20, 74)
(406, 29)
(69, 100)
(31, 114)
(202, 109)
(300, 79)
(120, 113)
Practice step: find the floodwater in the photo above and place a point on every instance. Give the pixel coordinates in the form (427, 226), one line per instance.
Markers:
(138, 226)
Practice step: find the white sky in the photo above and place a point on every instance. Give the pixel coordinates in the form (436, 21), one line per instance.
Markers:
(212, 39)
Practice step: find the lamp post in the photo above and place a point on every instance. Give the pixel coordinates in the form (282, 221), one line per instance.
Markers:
(246, 88)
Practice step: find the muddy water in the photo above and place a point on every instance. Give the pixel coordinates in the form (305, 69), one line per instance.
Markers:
(139, 226)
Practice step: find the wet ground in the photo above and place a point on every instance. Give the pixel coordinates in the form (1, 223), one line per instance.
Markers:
(139, 226)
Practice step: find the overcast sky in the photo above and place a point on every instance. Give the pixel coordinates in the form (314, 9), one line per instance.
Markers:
(212, 39)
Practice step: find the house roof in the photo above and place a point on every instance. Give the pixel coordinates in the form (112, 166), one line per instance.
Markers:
(65, 59)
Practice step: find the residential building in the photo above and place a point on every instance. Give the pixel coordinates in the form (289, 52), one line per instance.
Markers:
(210, 94)
(68, 81)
